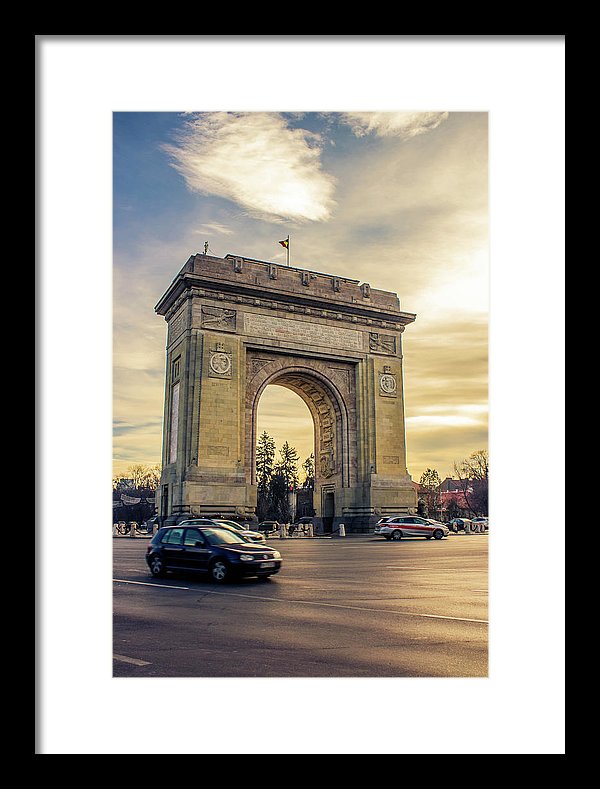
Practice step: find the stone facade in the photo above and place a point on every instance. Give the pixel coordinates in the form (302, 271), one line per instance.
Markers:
(236, 325)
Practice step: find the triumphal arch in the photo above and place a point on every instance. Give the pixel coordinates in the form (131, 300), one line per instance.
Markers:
(237, 325)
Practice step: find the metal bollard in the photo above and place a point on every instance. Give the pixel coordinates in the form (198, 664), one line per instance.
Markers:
(467, 528)
(342, 530)
(311, 530)
(132, 530)
(282, 532)
(115, 530)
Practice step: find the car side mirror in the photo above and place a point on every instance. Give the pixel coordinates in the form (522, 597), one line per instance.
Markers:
(199, 544)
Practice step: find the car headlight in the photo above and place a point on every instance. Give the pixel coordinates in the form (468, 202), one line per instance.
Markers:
(276, 555)
(246, 557)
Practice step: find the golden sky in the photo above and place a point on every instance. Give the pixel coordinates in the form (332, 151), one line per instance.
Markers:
(396, 199)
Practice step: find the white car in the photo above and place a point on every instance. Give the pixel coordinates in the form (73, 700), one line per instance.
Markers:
(253, 536)
(480, 524)
(396, 528)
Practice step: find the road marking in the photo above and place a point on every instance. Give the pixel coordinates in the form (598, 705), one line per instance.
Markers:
(132, 660)
(146, 583)
(434, 569)
(354, 608)
(311, 602)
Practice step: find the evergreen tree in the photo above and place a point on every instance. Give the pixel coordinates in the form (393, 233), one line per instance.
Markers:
(279, 499)
(265, 459)
(288, 465)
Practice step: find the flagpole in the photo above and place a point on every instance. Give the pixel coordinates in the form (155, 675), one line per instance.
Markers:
(288, 250)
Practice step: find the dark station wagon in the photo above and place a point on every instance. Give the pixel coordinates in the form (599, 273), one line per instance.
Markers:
(216, 551)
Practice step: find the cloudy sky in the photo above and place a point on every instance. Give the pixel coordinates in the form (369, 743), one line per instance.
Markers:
(397, 199)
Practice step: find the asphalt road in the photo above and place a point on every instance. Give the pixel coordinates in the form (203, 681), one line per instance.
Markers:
(342, 607)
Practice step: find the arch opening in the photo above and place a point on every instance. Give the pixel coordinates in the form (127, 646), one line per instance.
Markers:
(326, 392)
(284, 415)
(285, 418)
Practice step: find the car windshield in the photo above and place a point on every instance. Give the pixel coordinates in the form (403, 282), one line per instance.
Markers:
(223, 536)
(230, 525)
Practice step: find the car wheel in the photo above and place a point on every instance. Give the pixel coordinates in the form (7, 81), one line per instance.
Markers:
(156, 567)
(219, 571)
(397, 535)
(438, 534)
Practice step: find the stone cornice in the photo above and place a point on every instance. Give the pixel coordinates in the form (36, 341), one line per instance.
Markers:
(189, 284)
(395, 321)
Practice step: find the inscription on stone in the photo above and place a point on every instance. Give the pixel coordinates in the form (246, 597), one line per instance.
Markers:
(391, 460)
(217, 451)
(300, 332)
(177, 325)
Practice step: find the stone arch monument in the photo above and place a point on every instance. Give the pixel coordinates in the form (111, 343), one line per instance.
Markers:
(237, 325)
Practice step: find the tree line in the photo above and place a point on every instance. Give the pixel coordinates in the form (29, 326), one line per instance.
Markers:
(471, 475)
(275, 479)
(133, 493)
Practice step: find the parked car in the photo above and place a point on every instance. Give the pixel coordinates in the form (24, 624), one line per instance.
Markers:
(148, 525)
(268, 526)
(480, 524)
(219, 552)
(396, 528)
(459, 524)
(253, 536)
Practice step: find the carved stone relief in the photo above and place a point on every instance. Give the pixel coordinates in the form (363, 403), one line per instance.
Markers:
(218, 318)
(388, 385)
(340, 376)
(258, 364)
(382, 343)
(219, 365)
(327, 465)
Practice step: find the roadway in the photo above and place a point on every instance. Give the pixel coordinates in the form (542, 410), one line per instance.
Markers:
(342, 607)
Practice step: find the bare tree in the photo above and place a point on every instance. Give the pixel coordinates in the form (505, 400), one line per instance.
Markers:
(151, 478)
(473, 476)
(137, 473)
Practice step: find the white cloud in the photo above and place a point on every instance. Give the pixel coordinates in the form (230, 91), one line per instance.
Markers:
(214, 227)
(257, 161)
(394, 124)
